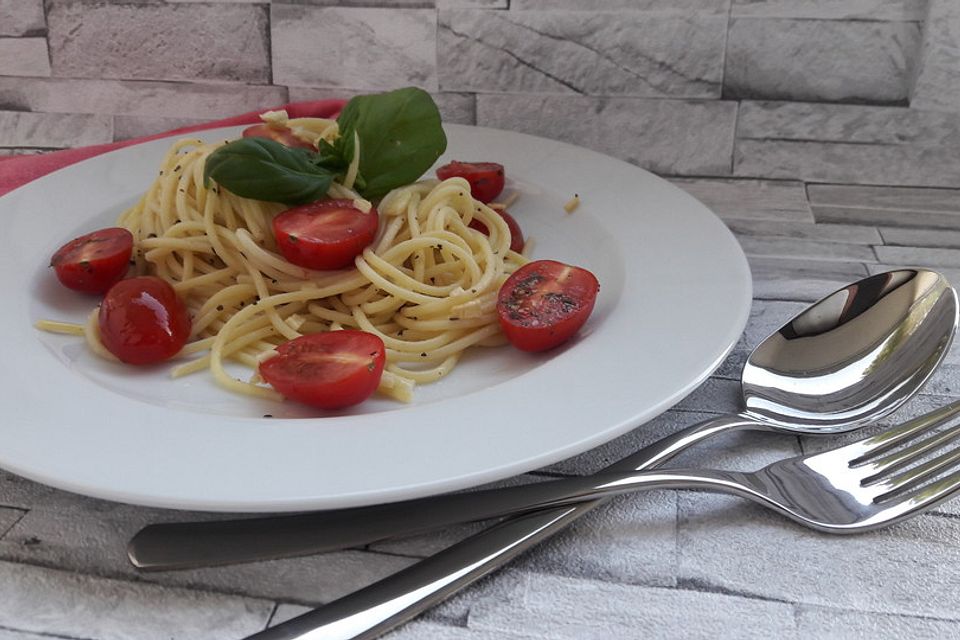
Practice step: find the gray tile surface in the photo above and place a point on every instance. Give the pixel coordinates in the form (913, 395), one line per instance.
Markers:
(856, 61)
(58, 603)
(563, 608)
(752, 201)
(894, 10)
(844, 624)
(12, 634)
(897, 571)
(886, 216)
(831, 233)
(21, 17)
(638, 131)
(847, 144)
(801, 279)
(683, 7)
(919, 256)
(882, 197)
(785, 247)
(600, 53)
(850, 124)
(921, 237)
(937, 83)
(184, 42)
(405, 53)
(24, 57)
(473, 4)
(8, 518)
(135, 98)
(53, 131)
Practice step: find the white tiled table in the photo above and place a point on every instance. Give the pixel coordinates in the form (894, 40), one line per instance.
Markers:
(657, 565)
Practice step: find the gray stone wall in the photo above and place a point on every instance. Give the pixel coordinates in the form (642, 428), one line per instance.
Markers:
(848, 91)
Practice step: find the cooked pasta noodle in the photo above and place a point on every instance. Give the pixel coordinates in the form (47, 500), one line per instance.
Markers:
(427, 285)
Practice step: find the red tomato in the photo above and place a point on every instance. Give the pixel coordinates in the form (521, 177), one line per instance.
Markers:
(485, 178)
(94, 262)
(543, 303)
(283, 135)
(142, 321)
(516, 234)
(328, 370)
(327, 234)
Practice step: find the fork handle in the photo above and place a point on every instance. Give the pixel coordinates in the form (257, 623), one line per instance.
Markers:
(374, 610)
(193, 544)
(381, 606)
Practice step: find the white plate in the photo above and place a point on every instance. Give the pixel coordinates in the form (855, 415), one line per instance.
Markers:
(675, 295)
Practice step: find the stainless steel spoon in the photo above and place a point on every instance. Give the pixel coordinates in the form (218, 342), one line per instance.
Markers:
(851, 358)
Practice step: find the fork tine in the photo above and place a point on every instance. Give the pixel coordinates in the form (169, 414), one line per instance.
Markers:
(891, 462)
(927, 497)
(916, 476)
(875, 445)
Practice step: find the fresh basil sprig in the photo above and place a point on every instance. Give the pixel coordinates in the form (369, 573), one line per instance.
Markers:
(400, 138)
(263, 169)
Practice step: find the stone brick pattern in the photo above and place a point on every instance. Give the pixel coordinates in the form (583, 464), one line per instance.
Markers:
(855, 61)
(937, 79)
(630, 53)
(849, 91)
(825, 134)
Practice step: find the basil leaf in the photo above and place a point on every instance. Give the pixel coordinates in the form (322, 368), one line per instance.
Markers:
(335, 157)
(400, 137)
(263, 169)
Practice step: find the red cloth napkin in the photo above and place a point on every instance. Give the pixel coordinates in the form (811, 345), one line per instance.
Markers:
(19, 170)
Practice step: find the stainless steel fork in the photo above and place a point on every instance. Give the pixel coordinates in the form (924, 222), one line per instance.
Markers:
(857, 487)
(866, 484)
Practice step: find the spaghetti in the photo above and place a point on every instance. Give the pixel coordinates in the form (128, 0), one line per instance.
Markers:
(427, 286)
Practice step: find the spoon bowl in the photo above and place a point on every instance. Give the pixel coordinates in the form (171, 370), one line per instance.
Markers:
(854, 356)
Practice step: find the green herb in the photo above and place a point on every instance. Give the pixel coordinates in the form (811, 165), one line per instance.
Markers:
(400, 138)
(262, 169)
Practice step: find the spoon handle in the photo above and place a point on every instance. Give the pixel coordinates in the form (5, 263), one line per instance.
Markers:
(374, 610)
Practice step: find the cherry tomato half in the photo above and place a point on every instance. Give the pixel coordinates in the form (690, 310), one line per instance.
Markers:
(283, 135)
(543, 303)
(485, 178)
(327, 234)
(93, 262)
(516, 234)
(142, 321)
(328, 370)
